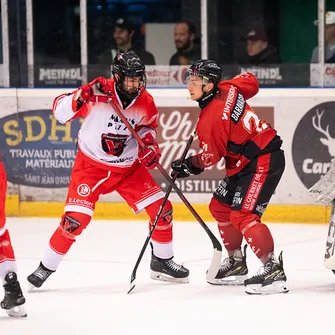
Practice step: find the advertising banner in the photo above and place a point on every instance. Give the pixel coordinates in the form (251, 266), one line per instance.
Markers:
(39, 152)
(165, 76)
(280, 75)
(58, 76)
(322, 75)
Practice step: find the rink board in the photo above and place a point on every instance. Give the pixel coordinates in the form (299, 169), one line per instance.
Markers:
(38, 152)
(120, 211)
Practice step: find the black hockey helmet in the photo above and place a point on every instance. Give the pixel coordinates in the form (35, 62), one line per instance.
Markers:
(209, 70)
(128, 64)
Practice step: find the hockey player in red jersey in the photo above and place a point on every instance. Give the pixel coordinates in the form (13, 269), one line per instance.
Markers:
(14, 301)
(229, 128)
(109, 159)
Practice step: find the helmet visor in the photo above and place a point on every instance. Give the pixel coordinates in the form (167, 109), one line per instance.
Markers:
(195, 79)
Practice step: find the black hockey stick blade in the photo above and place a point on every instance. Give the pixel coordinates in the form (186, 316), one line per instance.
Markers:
(132, 283)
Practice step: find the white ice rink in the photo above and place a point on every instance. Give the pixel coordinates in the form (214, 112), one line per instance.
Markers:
(87, 295)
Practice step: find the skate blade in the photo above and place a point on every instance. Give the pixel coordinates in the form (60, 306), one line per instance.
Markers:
(229, 281)
(131, 287)
(330, 263)
(31, 287)
(166, 278)
(17, 312)
(274, 288)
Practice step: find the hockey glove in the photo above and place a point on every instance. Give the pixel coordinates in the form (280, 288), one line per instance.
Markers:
(150, 156)
(87, 91)
(185, 168)
(103, 86)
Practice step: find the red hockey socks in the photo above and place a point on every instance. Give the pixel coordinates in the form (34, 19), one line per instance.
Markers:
(6, 249)
(231, 237)
(260, 240)
(71, 225)
(7, 257)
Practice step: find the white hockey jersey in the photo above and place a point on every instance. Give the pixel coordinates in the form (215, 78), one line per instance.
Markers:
(103, 129)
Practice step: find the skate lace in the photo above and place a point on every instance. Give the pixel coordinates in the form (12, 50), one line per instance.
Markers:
(226, 264)
(42, 274)
(173, 265)
(264, 270)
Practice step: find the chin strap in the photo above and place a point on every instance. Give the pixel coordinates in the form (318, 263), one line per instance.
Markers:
(207, 97)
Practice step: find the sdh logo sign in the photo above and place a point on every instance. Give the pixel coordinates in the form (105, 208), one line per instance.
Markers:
(313, 145)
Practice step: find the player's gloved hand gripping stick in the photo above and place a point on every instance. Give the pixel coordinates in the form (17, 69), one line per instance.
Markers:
(217, 252)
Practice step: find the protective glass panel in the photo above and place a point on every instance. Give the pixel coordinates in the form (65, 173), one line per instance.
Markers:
(149, 28)
(56, 27)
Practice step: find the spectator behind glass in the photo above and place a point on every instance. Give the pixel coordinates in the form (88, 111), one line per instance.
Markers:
(329, 40)
(184, 38)
(258, 50)
(123, 35)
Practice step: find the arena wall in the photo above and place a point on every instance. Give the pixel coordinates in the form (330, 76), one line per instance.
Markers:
(38, 152)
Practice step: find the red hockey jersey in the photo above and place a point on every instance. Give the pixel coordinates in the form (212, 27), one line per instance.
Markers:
(228, 127)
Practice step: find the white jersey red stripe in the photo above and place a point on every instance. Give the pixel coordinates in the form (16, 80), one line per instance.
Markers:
(101, 118)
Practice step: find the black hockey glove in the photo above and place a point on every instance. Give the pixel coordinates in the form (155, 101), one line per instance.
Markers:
(185, 168)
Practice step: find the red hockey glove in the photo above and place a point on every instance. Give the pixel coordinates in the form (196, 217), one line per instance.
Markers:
(149, 157)
(87, 91)
(103, 86)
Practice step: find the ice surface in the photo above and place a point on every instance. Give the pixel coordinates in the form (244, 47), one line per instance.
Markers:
(88, 293)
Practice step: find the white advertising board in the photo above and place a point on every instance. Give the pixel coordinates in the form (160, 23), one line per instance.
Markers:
(39, 152)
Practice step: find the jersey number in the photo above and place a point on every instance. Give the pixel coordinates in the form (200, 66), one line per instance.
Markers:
(251, 121)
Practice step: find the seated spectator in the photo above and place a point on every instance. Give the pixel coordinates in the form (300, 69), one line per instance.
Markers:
(329, 40)
(258, 50)
(123, 35)
(187, 51)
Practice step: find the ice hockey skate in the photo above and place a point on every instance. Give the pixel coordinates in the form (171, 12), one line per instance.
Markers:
(13, 302)
(168, 270)
(233, 270)
(270, 278)
(38, 277)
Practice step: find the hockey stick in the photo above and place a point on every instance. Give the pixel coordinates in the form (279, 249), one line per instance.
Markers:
(167, 194)
(329, 260)
(323, 192)
(217, 252)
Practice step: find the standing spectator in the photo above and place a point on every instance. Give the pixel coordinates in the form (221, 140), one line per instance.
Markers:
(330, 40)
(258, 50)
(184, 38)
(123, 38)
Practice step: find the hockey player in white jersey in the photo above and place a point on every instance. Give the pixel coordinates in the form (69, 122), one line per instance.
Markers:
(109, 159)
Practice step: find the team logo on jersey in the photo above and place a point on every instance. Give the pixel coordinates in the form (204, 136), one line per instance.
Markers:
(313, 145)
(83, 190)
